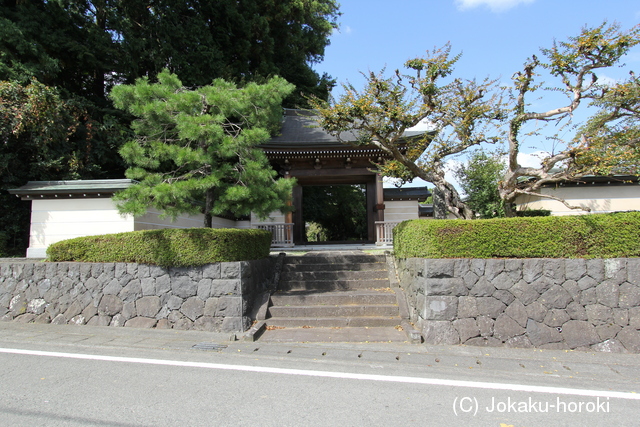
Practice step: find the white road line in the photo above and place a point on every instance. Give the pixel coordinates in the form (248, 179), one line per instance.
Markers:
(329, 374)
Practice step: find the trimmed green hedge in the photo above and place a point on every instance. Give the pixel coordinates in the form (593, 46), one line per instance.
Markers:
(580, 236)
(167, 247)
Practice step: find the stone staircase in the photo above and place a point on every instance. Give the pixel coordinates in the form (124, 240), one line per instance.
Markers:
(334, 291)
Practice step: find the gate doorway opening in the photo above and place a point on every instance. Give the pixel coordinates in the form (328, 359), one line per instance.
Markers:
(335, 213)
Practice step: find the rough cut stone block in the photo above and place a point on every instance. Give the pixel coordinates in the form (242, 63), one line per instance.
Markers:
(587, 282)
(148, 286)
(117, 320)
(630, 339)
(156, 271)
(110, 305)
(229, 306)
(99, 321)
(174, 302)
(43, 319)
(524, 292)
(521, 341)
(90, 311)
(482, 288)
(571, 286)
(461, 267)
(485, 324)
(194, 308)
(607, 331)
(477, 266)
(491, 307)
(211, 271)
(210, 307)
(148, 306)
(484, 342)
(141, 322)
(610, 346)
(575, 269)
(633, 271)
(132, 291)
(576, 311)
(163, 284)
(505, 328)
(183, 324)
(493, 268)
(204, 289)
(595, 269)
(225, 287)
(208, 324)
(629, 295)
(532, 269)
(235, 324)
(439, 268)
(588, 296)
(445, 286)
(556, 317)
(467, 307)
(555, 297)
(503, 281)
(554, 270)
(634, 317)
(436, 308)
(25, 318)
(183, 286)
(112, 288)
(621, 316)
(18, 305)
(505, 296)
(59, 320)
(517, 311)
(513, 267)
(542, 284)
(440, 332)
(163, 324)
(577, 333)
(230, 270)
(36, 306)
(470, 279)
(128, 310)
(536, 311)
(607, 294)
(467, 328)
(74, 309)
(598, 314)
(540, 334)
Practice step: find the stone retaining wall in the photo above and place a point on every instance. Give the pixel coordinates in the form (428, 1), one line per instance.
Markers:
(215, 297)
(543, 303)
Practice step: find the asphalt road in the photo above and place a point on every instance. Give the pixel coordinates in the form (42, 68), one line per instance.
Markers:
(82, 376)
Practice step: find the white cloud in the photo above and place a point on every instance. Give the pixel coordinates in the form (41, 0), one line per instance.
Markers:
(494, 5)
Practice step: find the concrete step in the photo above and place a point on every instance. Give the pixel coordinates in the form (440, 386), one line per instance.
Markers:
(351, 334)
(334, 267)
(386, 310)
(320, 274)
(297, 298)
(335, 259)
(334, 322)
(333, 285)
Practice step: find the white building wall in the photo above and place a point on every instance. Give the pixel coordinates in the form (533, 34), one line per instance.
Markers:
(601, 199)
(400, 210)
(274, 217)
(53, 220)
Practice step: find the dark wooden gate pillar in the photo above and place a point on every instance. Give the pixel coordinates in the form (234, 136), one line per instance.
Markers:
(298, 218)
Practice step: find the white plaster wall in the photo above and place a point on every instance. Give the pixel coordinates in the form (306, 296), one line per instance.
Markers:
(275, 216)
(152, 221)
(53, 220)
(400, 210)
(600, 199)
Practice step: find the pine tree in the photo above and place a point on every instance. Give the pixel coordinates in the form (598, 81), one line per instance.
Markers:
(200, 144)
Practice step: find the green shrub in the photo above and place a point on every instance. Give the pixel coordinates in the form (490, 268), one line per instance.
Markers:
(533, 212)
(580, 236)
(166, 247)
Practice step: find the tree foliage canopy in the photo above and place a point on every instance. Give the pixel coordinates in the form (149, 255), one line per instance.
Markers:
(197, 144)
(479, 177)
(459, 114)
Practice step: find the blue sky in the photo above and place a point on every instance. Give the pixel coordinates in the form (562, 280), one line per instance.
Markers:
(495, 37)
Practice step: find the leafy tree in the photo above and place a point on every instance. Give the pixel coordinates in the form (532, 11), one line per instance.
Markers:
(338, 210)
(479, 178)
(460, 114)
(201, 144)
(42, 137)
(609, 141)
